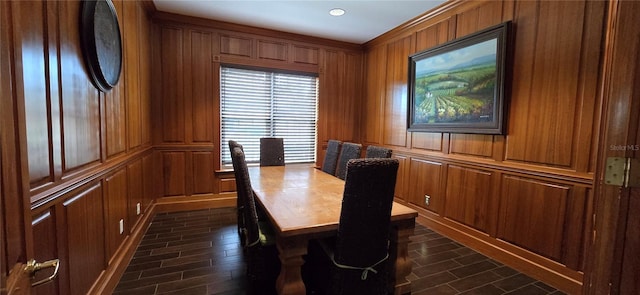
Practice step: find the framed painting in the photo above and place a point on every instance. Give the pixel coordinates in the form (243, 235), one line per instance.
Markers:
(459, 86)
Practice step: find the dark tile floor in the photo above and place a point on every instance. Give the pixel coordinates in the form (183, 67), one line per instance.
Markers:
(198, 252)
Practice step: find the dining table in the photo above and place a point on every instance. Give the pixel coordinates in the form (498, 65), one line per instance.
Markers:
(304, 203)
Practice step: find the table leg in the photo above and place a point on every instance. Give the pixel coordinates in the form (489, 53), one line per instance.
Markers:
(290, 279)
(399, 253)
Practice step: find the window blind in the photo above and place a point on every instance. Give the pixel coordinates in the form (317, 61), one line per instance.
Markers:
(257, 104)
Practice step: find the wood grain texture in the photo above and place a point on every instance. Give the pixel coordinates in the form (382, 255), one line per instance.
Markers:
(132, 61)
(402, 178)
(44, 227)
(135, 192)
(174, 173)
(606, 272)
(202, 171)
(80, 99)
(425, 180)
(116, 193)
(236, 45)
(305, 55)
(73, 135)
(200, 92)
(172, 102)
(468, 196)
(272, 50)
(546, 111)
(84, 242)
(395, 125)
(374, 94)
(30, 46)
(533, 213)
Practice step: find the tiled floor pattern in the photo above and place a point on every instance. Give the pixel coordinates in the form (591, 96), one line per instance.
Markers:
(198, 252)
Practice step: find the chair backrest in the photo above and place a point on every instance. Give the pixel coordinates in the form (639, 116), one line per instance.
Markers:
(232, 144)
(240, 194)
(243, 185)
(349, 151)
(271, 151)
(365, 225)
(331, 156)
(377, 152)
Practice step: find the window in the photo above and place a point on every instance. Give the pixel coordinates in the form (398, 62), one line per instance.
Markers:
(257, 104)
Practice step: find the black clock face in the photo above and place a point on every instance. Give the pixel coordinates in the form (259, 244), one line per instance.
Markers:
(102, 44)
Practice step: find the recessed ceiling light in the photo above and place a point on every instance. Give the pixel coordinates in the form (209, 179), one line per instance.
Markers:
(336, 11)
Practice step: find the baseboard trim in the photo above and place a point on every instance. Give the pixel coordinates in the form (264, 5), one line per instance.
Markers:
(175, 204)
(109, 278)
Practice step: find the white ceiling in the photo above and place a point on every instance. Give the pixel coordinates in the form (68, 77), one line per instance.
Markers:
(364, 20)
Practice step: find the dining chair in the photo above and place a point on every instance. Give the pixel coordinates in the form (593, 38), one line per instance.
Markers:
(377, 152)
(263, 264)
(331, 156)
(356, 260)
(348, 151)
(239, 199)
(271, 151)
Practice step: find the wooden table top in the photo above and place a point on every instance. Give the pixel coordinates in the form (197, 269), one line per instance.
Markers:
(300, 199)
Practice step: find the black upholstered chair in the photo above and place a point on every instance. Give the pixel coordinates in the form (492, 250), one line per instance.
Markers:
(377, 152)
(348, 151)
(331, 156)
(263, 264)
(271, 151)
(240, 199)
(357, 261)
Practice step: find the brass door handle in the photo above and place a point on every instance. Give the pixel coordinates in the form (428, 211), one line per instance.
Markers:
(33, 267)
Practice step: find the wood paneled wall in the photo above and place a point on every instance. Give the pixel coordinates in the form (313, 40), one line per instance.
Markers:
(188, 62)
(529, 192)
(89, 155)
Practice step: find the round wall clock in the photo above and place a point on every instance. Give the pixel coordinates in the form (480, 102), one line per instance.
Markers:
(101, 42)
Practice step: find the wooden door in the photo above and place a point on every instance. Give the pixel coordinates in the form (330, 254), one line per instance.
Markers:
(614, 261)
(15, 220)
(14, 279)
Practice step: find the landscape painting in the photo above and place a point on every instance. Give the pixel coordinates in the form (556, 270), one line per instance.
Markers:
(458, 87)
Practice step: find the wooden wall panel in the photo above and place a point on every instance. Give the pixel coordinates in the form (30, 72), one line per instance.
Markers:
(305, 55)
(145, 72)
(533, 213)
(115, 210)
(135, 192)
(85, 239)
(547, 108)
(130, 28)
(116, 116)
(373, 102)
(80, 99)
(152, 174)
(272, 50)
(236, 45)
(425, 179)
(200, 92)
(472, 144)
(468, 196)
(395, 116)
(174, 173)
(44, 228)
(173, 111)
(72, 135)
(31, 48)
(203, 177)
(339, 96)
(402, 179)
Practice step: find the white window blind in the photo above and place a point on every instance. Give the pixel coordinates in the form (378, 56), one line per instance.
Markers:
(257, 104)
